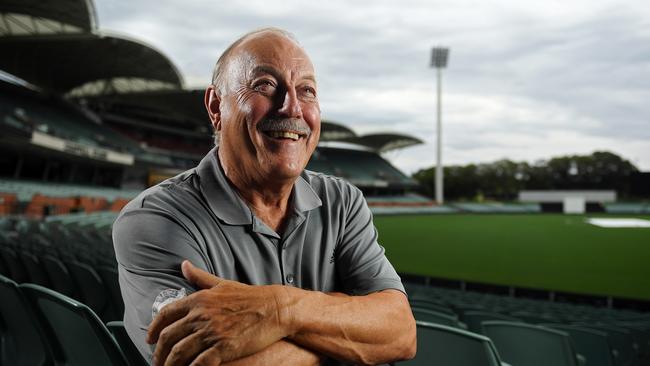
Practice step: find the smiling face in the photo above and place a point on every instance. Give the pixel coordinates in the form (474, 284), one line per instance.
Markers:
(266, 109)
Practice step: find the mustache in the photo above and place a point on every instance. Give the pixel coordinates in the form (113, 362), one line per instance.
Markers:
(285, 124)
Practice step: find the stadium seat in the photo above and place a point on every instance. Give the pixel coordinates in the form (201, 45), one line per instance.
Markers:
(110, 277)
(92, 291)
(523, 344)
(4, 269)
(17, 270)
(436, 317)
(625, 349)
(473, 319)
(34, 268)
(21, 342)
(533, 318)
(447, 346)
(60, 277)
(592, 344)
(431, 305)
(133, 356)
(73, 330)
(641, 333)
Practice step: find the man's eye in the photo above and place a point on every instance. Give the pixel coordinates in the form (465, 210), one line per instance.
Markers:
(309, 91)
(265, 86)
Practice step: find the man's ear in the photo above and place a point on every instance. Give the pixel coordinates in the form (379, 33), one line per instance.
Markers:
(213, 105)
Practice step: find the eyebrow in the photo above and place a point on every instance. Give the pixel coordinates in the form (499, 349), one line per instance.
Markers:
(264, 69)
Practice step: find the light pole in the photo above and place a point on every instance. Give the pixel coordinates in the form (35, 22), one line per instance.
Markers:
(439, 56)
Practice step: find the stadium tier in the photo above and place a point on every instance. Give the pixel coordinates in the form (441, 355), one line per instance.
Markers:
(54, 117)
(26, 190)
(40, 199)
(365, 169)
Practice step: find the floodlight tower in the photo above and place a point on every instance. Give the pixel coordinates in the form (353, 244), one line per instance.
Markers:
(439, 56)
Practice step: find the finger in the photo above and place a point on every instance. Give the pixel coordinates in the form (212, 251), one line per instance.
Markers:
(209, 357)
(187, 350)
(199, 277)
(168, 315)
(169, 338)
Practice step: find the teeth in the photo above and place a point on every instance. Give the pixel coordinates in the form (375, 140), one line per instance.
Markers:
(284, 134)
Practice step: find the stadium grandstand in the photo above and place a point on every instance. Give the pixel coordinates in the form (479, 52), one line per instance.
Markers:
(89, 119)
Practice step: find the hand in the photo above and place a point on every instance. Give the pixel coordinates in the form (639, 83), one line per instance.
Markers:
(224, 321)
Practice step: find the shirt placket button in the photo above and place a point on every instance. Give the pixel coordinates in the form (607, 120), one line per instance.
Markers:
(290, 279)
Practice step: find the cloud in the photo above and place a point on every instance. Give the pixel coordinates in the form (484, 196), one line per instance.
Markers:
(525, 81)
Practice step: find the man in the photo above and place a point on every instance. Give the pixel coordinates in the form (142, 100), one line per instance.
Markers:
(285, 262)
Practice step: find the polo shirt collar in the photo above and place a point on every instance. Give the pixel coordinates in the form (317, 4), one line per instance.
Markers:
(304, 198)
(225, 202)
(222, 198)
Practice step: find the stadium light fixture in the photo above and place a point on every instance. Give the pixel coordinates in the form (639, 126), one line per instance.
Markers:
(439, 57)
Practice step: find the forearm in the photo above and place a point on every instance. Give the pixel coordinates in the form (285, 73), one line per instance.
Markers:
(371, 329)
(280, 353)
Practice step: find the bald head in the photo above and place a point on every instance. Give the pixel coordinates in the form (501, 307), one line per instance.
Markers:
(222, 62)
(264, 106)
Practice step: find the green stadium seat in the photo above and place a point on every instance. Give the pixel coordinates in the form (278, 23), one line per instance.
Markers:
(432, 316)
(432, 305)
(92, 291)
(533, 317)
(592, 344)
(74, 331)
(4, 269)
(624, 346)
(641, 333)
(21, 342)
(110, 277)
(60, 277)
(523, 344)
(34, 268)
(447, 346)
(17, 270)
(133, 356)
(473, 319)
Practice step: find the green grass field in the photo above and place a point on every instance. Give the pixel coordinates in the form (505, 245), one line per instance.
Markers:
(552, 252)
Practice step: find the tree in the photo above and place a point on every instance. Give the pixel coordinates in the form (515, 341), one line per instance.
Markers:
(504, 179)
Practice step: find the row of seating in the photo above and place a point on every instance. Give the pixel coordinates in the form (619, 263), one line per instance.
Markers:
(61, 119)
(77, 261)
(531, 332)
(25, 190)
(41, 327)
(70, 333)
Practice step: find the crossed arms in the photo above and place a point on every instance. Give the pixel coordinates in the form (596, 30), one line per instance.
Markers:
(231, 323)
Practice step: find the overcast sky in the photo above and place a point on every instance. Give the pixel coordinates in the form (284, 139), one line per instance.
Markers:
(526, 80)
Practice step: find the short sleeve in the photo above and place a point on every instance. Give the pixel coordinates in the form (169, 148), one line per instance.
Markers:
(150, 245)
(361, 262)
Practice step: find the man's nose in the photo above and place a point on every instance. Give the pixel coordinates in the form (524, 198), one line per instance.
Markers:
(290, 105)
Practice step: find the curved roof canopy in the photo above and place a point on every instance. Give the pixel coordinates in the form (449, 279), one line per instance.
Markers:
(92, 64)
(384, 142)
(332, 131)
(38, 17)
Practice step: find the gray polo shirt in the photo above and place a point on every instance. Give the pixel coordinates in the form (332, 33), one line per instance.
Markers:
(329, 242)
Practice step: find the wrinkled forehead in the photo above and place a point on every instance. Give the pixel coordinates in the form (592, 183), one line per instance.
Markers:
(272, 51)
